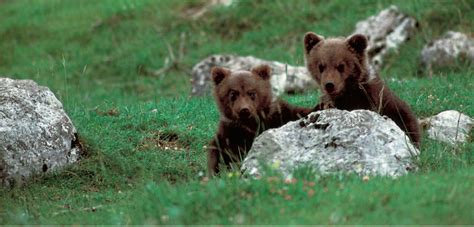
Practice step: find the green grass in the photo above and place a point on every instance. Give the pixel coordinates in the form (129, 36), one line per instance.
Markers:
(89, 54)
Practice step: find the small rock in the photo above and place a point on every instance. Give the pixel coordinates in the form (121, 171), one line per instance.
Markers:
(386, 31)
(360, 141)
(199, 11)
(449, 126)
(285, 78)
(446, 50)
(365, 178)
(36, 135)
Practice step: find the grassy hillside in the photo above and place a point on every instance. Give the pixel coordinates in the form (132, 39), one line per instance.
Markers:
(146, 138)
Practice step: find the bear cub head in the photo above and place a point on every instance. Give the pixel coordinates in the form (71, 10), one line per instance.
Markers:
(242, 96)
(336, 63)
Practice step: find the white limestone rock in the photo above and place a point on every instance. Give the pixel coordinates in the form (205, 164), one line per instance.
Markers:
(285, 78)
(386, 31)
(199, 11)
(447, 50)
(449, 126)
(36, 135)
(335, 141)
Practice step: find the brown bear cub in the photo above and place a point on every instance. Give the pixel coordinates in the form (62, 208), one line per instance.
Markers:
(341, 69)
(247, 108)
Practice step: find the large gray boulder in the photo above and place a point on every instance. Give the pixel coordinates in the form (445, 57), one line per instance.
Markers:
(386, 32)
(285, 78)
(449, 126)
(447, 50)
(334, 141)
(36, 135)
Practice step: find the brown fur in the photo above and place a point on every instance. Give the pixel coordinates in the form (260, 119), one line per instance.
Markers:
(247, 108)
(340, 68)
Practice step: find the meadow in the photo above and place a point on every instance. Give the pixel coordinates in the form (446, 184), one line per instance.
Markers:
(145, 138)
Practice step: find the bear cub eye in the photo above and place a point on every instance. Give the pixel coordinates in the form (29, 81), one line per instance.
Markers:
(233, 95)
(321, 68)
(252, 95)
(340, 68)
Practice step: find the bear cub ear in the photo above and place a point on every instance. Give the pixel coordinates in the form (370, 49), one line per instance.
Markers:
(218, 74)
(263, 71)
(358, 42)
(310, 40)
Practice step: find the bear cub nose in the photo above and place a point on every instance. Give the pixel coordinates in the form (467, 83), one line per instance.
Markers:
(329, 86)
(244, 113)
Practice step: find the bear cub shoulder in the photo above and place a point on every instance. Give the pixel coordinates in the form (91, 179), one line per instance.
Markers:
(340, 67)
(247, 108)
